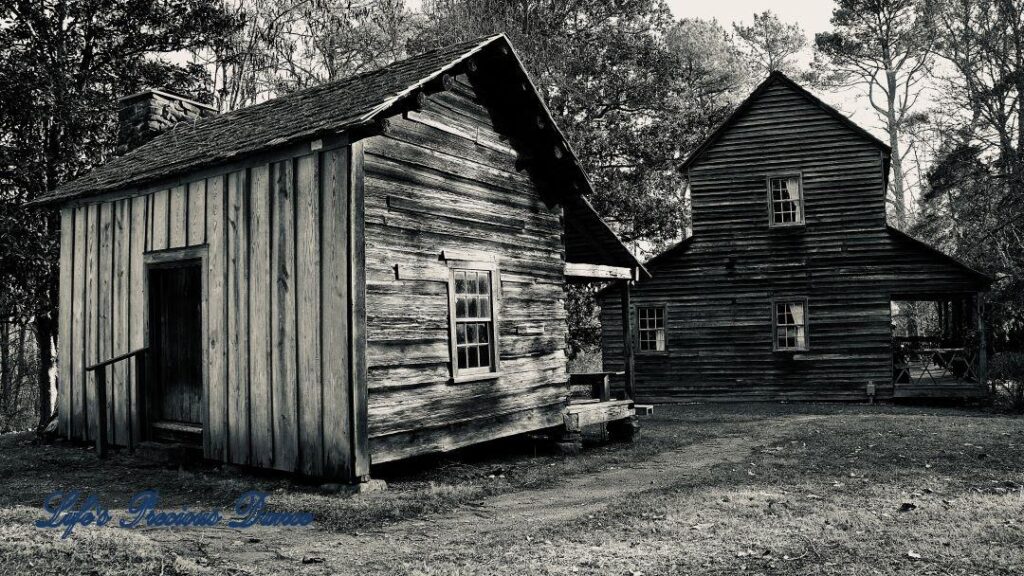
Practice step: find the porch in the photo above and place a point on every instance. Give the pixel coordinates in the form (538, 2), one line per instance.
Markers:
(938, 347)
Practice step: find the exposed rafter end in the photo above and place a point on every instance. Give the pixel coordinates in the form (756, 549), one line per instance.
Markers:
(375, 127)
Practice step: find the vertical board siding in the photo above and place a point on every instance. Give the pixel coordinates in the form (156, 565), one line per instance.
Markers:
(65, 330)
(334, 314)
(105, 293)
(359, 382)
(432, 185)
(197, 213)
(136, 309)
(260, 398)
(177, 234)
(92, 309)
(119, 423)
(160, 225)
(308, 311)
(276, 310)
(237, 317)
(215, 432)
(283, 345)
(78, 325)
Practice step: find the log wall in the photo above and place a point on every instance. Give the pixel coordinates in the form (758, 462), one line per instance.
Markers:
(279, 297)
(718, 286)
(444, 178)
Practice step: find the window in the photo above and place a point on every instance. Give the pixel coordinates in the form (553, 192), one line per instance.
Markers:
(785, 194)
(473, 324)
(790, 323)
(650, 328)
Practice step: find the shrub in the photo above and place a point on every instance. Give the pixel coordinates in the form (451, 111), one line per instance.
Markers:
(1006, 370)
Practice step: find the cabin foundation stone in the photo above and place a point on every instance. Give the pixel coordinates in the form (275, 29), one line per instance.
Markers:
(626, 430)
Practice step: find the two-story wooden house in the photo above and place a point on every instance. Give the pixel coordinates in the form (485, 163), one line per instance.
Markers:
(784, 290)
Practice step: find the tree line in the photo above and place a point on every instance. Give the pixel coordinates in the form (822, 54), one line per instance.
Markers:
(634, 88)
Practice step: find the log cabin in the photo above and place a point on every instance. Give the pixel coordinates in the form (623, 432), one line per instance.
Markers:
(785, 289)
(354, 273)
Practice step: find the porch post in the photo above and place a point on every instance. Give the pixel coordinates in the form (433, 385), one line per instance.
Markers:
(979, 315)
(627, 339)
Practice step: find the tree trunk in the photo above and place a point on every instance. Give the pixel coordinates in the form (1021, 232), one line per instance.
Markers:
(45, 336)
(5, 367)
(896, 162)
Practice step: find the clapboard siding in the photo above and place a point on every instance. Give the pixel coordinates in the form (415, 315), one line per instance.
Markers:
(442, 179)
(276, 309)
(718, 286)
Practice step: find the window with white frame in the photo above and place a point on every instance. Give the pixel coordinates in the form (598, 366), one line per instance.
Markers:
(790, 324)
(650, 330)
(473, 322)
(785, 194)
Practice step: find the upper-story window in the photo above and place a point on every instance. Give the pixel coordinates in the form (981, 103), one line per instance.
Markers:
(786, 199)
(790, 324)
(650, 328)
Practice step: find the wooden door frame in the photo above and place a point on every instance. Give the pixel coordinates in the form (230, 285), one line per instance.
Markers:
(175, 258)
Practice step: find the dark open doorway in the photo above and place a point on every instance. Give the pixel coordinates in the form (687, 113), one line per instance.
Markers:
(175, 392)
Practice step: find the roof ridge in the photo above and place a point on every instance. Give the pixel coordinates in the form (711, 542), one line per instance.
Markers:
(775, 76)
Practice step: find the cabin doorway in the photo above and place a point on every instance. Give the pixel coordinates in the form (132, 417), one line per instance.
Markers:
(175, 392)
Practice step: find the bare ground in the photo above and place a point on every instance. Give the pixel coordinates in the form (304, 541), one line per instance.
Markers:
(804, 489)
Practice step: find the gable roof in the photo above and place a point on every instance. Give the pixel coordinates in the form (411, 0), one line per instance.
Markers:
(304, 115)
(329, 109)
(773, 79)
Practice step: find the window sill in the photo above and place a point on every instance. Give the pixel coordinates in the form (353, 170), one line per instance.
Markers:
(474, 377)
(650, 353)
(793, 228)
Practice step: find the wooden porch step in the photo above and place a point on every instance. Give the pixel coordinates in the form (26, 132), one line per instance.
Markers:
(177, 432)
(644, 409)
(577, 415)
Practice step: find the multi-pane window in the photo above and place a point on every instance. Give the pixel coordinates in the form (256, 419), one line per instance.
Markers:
(786, 198)
(790, 324)
(473, 320)
(650, 328)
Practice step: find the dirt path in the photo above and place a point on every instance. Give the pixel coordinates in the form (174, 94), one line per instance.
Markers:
(515, 516)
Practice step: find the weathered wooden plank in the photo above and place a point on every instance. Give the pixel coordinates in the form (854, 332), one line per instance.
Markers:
(197, 212)
(160, 225)
(121, 395)
(92, 310)
(283, 343)
(238, 317)
(215, 391)
(136, 309)
(357, 302)
(597, 271)
(79, 325)
(261, 312)
(66, 331)
(177, 235)
(442, 439)
(337, 420)
(106, 307)
(308, 313)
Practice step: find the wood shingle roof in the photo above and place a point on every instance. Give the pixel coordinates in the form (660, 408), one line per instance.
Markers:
(307, 114)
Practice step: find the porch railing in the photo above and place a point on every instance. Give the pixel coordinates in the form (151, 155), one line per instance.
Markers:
(929, 362)
(100, 394)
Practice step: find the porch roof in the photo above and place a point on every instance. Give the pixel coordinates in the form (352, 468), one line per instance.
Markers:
(943, 273)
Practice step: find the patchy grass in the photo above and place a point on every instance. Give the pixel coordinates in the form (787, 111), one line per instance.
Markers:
(762, 489)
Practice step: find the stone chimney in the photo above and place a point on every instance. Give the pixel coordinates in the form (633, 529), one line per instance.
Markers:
(150, 112)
